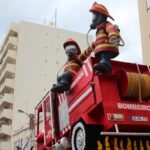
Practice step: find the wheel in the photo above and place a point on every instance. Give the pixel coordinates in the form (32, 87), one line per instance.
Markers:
(84, 137)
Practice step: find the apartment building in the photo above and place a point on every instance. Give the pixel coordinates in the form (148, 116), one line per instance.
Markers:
(8, 53)
(31, 55)
(144, 15)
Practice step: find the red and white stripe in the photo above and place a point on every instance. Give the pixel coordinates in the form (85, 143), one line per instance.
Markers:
(65, 130)
(89, 65)
(51, 115)
(62, 97)
(80, 99)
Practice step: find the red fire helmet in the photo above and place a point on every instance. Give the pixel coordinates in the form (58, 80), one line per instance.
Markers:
(72, 41)
(98, 8)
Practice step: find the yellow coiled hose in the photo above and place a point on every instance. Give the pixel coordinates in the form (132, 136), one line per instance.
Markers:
(135, 85)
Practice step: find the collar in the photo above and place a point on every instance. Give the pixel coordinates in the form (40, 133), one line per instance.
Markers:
(101, 26)
(72, 59)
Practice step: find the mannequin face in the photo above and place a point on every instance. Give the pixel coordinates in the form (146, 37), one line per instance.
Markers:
(97, 19)
(71, 51)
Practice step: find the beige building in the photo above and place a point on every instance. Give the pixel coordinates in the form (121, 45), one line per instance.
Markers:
(144, 14)
(30, 56)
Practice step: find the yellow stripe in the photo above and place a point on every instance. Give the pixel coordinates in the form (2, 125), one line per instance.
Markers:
(85, 55)
(104, 45)
(109, 27)
(101, 35)
(102, 7)
(72, 64)
(73, 71)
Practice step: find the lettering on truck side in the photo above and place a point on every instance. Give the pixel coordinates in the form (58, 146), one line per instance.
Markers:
(133, 107)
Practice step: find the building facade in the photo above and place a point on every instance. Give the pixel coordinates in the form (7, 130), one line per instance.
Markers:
(31, 56)
(144, 14)
(8, 54)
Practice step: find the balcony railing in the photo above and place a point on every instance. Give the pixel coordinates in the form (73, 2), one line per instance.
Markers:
(11, 43)
(6, 114)
(6, 100)
(9, 57)
(5, 130)
(13, 29)
(8, 72)
(7, 86)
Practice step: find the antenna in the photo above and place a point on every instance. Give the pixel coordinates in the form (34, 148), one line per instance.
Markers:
(53, 21)
(55, 17)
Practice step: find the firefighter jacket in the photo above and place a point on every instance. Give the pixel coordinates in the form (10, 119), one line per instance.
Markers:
(73, 65)
(104, 32)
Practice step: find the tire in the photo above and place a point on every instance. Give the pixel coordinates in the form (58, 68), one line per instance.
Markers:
(84, 137)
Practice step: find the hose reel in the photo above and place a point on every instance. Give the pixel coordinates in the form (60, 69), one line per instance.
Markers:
(134, 85)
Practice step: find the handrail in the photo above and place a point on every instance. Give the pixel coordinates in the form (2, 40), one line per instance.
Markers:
(125, 133)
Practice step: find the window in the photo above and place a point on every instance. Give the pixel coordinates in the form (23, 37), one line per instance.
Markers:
(148, 5)
(48, 109)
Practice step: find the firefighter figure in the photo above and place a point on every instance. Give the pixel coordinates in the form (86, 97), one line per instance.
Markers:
(107, 38)
(72, 66)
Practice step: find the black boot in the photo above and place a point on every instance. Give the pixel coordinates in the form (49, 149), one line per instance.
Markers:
(102, 68)
(60, 88)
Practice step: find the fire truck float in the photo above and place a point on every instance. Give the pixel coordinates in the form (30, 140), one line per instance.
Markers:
(100, 112)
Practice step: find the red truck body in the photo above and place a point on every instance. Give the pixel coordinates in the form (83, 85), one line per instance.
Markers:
(96, 107)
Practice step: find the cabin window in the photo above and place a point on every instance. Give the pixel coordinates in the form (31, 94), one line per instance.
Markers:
(48, 109)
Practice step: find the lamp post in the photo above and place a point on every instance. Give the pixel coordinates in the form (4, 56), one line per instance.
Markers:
(31, 117)
(31, 125)
(21, 111)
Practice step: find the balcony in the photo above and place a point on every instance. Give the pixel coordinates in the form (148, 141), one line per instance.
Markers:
(4, 145)
(8, 72)
(13, 29)
(6, 114)
(5, 130)
(6, 100)
(8, 57)
(7, 86)
(10, 43)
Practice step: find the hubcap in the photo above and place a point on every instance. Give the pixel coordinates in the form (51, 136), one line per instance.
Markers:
(80, 139)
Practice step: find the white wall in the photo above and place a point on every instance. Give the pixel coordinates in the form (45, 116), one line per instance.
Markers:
(144, 15)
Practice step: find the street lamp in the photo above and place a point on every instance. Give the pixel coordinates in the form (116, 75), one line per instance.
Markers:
(21, 111)
(31, 125)
(31, 116)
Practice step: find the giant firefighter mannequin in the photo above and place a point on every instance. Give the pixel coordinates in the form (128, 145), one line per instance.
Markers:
(72, 66)
(107, 38)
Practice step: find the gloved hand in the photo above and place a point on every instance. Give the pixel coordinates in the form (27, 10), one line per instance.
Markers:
(115, 40)
(91, 47)
(89, 50)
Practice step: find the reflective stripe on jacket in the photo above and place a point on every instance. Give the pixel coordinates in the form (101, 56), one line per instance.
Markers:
(104, 32)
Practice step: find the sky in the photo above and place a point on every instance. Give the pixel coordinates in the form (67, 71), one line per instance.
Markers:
(74, 15)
